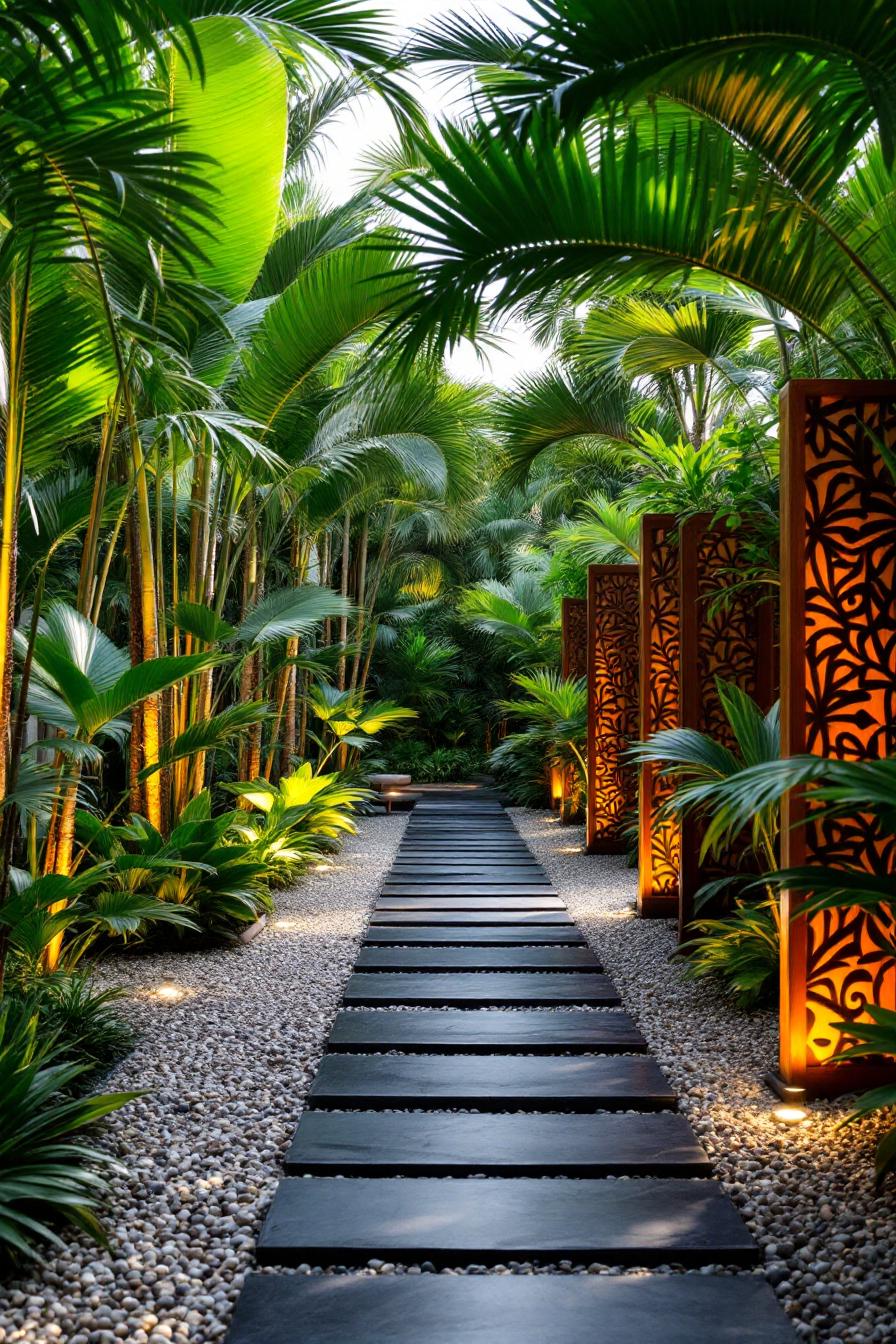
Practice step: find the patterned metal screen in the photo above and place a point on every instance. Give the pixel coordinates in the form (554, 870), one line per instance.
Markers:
(659, 842)
(574, 636)
(613, 645)
(728, 634)
(838, 699)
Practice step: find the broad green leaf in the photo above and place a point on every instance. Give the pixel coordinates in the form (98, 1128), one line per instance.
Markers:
(290, 612)
(234, 112)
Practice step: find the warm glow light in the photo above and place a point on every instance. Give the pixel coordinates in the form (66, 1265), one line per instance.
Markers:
(557, 776)
(790, 1115)
(169, 991)
(322, 867)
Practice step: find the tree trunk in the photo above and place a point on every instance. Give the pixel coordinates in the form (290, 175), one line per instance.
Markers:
(343, 588)
(363, 545)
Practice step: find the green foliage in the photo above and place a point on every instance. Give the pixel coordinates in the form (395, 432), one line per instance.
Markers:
(707, 773)
(304, 815)
(200, 877)
(742, 951)
(439, 765)
(555, 712)
(82, 1019)
(875, 1038)
(350, 721)
(98, 903)
(48, 1175)
(518, 613)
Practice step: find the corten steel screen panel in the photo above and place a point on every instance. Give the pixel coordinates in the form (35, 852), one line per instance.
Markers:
(573, 663)
(659, 842)
(727, 634)
(613, 655)
(574, 637)
(838, 640)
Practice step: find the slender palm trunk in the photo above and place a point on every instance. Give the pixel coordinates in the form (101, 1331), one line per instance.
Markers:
(343, 588)
(360, 623)
(250, 673)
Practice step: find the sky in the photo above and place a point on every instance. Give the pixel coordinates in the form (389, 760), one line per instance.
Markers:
(369, 124)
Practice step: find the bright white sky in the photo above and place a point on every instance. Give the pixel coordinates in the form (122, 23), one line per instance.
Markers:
(369, 124)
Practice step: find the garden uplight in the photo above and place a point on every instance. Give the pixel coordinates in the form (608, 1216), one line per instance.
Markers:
(790, 1115)
(169, 991)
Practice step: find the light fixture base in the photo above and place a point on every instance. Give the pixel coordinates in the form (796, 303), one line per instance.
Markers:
(792, 1095)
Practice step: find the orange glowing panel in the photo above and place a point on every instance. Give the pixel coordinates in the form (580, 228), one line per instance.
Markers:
(838, 698)
(574, 637)
(658, 841)
(613, 644)
(574, 663)
(727, 633)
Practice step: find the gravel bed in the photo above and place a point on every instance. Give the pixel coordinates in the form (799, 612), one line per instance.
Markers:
(229, 1065)
(226, 1067)
(808, 1194)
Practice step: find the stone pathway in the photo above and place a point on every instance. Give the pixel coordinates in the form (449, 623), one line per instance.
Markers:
(491, 1104)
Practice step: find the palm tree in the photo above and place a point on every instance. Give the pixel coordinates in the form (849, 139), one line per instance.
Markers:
(772, 137)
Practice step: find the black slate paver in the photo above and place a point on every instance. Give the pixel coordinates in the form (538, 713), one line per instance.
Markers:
(646, 1221)
(476, 959)
(486, 1030)
(449, 863)
(528, 1108)
(472, 917)
(369, 1143)
(459, 987)
(479, 889)
(468, 872)
(491, 1082)
(512, 1309)
(468, 901)
(508, 935)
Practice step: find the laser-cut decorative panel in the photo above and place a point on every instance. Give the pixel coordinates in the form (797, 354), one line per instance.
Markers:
(613, 648)
(659, 846)
(574, 636)
(574, 663)
(726, 633)
(838, 635)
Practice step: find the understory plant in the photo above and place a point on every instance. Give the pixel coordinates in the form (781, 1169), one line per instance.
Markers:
(304, 815)
(554, 712)
(436, 765)
(49, 1176)
(741, 949)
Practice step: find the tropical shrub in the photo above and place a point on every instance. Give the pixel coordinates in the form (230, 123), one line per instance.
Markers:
(201, 876)
(302, 816)
(82, 1019)
(438, 765)
(555, 712)
(875, 1038)
(55, 921)
(742, 949)
(48, 1175)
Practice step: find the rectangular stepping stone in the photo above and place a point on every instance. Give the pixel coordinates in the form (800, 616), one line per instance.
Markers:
(468, 874)
(367, 1143)
(486, 1030)
(506, 936)
(460, 987)
(420, 915)
(473, 901)
(476, 959)
(511, 1309)
(648, 1221)
(456, 845)
(491, 1082)
(468, 889)
(450, 863)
